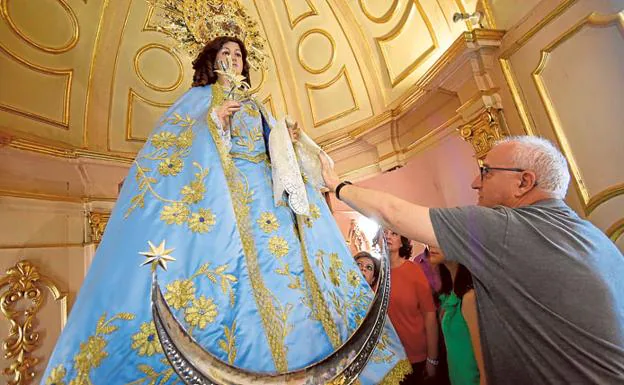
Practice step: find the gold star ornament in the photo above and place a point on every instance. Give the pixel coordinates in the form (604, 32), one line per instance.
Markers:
(157, 256)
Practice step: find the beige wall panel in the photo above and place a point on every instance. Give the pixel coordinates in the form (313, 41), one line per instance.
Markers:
(39, 174)
(405, 37)
(56, 32)
(567, 79)
(158, 67)
(31, 222)
(332, 100)
(46, 101)
(321, 68)
(507, 13)
(44, 95)
(581, 83)
(138, 125)
(401, 52)
(298, 10)
(317, 50)
(620, 242)
(608, 213)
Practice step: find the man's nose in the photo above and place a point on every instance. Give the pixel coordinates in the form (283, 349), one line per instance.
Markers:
(476, 182)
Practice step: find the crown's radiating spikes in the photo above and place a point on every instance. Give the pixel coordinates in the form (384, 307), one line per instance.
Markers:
(193, 23)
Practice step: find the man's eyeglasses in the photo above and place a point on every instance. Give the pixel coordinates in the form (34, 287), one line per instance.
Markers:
(366, 266)
(484, 170)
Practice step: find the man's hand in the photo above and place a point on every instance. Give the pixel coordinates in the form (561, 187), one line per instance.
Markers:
(293, 129)
(329, 175)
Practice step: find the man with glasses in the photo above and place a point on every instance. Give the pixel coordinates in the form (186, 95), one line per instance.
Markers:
(550, 285)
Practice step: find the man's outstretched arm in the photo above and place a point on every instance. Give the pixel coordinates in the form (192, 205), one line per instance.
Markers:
(405, 218)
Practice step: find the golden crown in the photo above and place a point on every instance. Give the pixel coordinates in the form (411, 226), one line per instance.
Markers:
(193, 23)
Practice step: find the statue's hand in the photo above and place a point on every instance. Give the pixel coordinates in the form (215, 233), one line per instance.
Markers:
(227, 109)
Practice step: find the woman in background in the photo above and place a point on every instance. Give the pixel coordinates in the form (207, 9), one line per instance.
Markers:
(369, 266)
(460, 323)
(412, 310)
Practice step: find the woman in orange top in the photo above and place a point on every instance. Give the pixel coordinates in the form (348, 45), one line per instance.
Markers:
(412, 310)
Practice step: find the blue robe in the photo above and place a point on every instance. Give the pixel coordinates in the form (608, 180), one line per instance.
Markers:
(256, 285)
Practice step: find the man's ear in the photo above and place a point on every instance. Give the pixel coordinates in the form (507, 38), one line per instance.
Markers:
(528, 181)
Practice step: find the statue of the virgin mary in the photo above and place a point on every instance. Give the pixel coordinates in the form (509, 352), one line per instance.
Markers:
(256, 267)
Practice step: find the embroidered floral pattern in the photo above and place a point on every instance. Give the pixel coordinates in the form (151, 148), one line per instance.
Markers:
(146, 342)
(315, 211)
(185, 140)
(203, 312)
(218, 274)
(193, 192)
(163, 140)
(155, 377)
(92, 352)
(170, 166)
(382, 354)
(57, 376)
(353, 278)
(196, 312)
(268, 222)
(335, 267)
(350, 298)
(169, 151)
(278, 246)
(179, 293)
(228, 343)
(202, 221)
(176, 213)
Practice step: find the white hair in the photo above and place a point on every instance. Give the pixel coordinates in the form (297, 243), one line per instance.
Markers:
(544, 159)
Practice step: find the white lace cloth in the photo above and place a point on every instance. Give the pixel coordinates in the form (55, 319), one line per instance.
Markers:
(286, 172)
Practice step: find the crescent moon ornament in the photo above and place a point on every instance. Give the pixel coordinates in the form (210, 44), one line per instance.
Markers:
(196, 366)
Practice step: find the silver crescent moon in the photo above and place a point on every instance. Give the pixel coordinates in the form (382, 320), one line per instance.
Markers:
(196, 366)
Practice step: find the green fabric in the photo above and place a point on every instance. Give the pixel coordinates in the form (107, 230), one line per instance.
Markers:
(463, 369)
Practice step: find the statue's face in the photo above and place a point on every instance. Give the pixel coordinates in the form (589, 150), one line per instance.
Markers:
(232, 50)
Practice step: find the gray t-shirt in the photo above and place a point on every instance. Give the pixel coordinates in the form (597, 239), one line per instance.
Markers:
(550, 292)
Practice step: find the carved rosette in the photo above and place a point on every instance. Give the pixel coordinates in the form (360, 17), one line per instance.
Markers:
(21, 297)
(97, 222)
(483, 131)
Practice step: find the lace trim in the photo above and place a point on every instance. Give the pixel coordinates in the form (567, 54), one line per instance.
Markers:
(285, 169)
(308, 154)
(226, 137)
